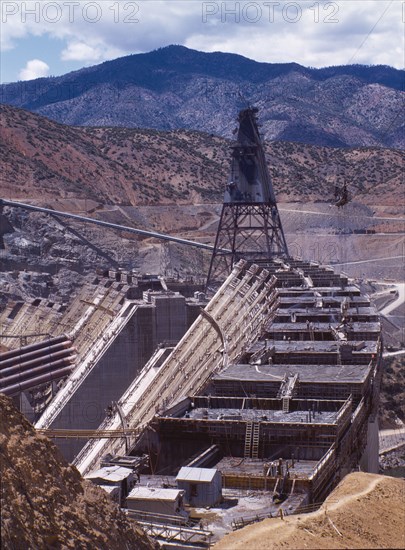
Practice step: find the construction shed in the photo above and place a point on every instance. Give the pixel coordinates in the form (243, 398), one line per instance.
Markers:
(202, 486)
(114, 476)
(169, 502)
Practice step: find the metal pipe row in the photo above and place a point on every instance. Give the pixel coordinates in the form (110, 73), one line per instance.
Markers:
(43, 379)
(16, 375)
(31, 347)
(8, 365)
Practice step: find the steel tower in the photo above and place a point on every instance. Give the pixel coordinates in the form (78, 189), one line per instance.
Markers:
(250, 226)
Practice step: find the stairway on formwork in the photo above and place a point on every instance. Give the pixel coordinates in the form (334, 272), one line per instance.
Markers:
(252, 440)
(248, 439)
(255, 440)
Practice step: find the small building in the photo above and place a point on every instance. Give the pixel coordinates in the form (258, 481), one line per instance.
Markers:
(202, 486)
(151, 500)
(114, 476)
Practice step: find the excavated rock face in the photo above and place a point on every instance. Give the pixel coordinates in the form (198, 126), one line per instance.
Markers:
(44, 501)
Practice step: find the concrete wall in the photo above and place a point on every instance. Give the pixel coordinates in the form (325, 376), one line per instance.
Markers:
(161, 318)
(369, 460)
(108, 380)
(170, 317)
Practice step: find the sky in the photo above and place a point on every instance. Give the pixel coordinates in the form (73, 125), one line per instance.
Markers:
(49, 38)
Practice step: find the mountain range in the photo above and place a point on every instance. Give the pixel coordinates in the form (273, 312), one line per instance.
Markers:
(178, 88)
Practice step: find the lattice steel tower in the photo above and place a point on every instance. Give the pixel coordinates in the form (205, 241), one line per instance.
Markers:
(250, 226)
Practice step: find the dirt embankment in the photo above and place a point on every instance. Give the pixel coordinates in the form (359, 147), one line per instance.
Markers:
(364, 511)
(44, 501)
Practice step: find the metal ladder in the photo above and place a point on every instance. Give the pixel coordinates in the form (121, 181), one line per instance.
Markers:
(248, 440)
(255, 445)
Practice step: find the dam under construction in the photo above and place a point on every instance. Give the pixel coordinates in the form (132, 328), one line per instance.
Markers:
(176, 396)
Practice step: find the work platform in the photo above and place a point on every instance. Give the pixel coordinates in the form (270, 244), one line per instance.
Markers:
(342, 374)
(302, 469)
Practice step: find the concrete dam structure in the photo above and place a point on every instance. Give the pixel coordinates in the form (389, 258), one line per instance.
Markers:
(114, 326)
(296, 378)
(270, 375)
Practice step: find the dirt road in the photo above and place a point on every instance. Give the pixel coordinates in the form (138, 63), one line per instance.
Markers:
(397, 302)
(364, 511)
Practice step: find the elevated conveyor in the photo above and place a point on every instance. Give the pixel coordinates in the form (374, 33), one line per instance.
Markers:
(101, 223)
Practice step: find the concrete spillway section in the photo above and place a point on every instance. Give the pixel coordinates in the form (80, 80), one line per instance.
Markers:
(114, 348)
(85, 367)
(232, 319)
(96, 448)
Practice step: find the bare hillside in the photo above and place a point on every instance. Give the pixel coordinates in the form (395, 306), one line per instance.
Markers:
(52, 163)
(173, 182)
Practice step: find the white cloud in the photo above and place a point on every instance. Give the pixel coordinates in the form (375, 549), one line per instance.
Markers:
(88, 53)
(35, 68)
(78, 51)
(331, 33)
(327, 32)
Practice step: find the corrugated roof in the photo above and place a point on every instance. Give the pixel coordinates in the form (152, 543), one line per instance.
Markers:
(110, 473)
(150, 493)
(200, 475)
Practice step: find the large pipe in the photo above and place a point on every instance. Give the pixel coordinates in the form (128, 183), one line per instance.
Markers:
(23, 376)
(32, 347)
(24, 356)
(28, 372)
(54, 375)
(34, 362)
(161, 236)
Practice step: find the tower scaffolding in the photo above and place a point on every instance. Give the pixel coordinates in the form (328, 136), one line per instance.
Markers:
(250, 226)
